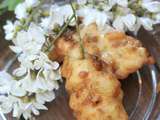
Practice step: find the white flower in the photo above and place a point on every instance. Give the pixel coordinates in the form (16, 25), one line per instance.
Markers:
(28, 114)
(10, 29)
(35, 105)
(21, 11)
(16, 110)
(20, 42)
(55, 18)
(27, 83)
(147, 23)
(20, 71)
(52, 75)
(61, 14)
(36, 33)
(46, 23)
(58, 16)
(44, 84)
(81, 2)
(30, 108)
(8, 85)
(118, 24)
(157, 17)
(91, 15)
(137, 26)
(4, 106)
(26, 42)
(123, 23)
(129, 21)
(38, 83)
(7, 103)
(123, 3)
(67, 12)
(108, 6)
(31, 3)
(151, 6)
(52, 21)
(26, 64)
(10, 103)
(45, 97)
(17, 90)
(6, 81)
(43, 62)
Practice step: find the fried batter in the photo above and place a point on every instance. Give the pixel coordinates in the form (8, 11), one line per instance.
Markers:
(95, 93)
(92, 82)
(124, 53)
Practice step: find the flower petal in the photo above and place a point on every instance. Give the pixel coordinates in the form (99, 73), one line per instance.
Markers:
(17, 90)
(55, 65)
(49, 96)
(157, 18)
(123, 3)
(31, 3)
(20, 71)
(27, 114)
(147, 23)
(81, 2)
(16, 110)
(21, 11)
(129, 20)
(153, 6)
(9, 36)
(118, 24)
(40, 106)
(91, 15)
(35, 111)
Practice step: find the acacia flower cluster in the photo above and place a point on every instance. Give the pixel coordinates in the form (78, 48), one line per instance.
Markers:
(123, 15)
(32, 84)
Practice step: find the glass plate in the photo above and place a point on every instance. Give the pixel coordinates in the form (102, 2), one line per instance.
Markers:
(139, 97)
(141, 100)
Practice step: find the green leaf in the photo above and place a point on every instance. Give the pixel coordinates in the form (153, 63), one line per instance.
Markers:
(8, 5)
(4, 4)
(13, 3)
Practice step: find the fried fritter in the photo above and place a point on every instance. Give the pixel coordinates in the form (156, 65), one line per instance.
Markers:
(124, 53)
(95, 93)
(62, 46)
(92, 82)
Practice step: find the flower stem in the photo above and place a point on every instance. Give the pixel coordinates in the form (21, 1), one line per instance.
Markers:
(33, 11)
(60, 33)
(78, 31)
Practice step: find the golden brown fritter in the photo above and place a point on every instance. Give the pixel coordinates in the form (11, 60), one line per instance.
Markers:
(95, 93)
(62, 45)
(92, 82)
(124, 53)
